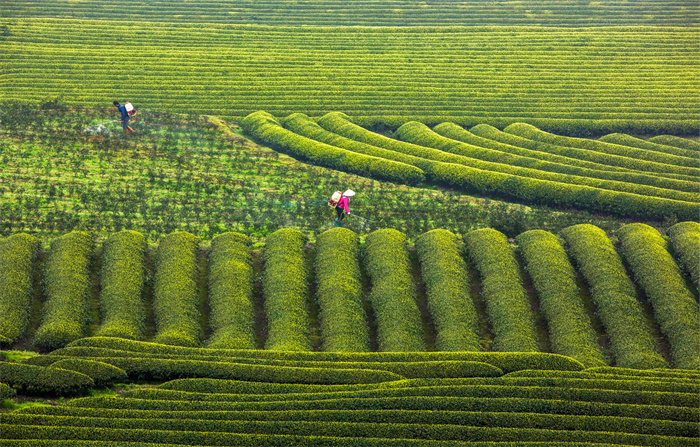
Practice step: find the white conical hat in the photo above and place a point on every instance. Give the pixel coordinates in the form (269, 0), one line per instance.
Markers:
(349, 193)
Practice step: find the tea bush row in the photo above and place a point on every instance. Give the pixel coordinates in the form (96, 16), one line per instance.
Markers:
(446, 279)
(554, 278)
(175, 297)
(285, 289)
(17, 255)
(122, 280)
(506, 361)
(231, 292)
(371, 13)
(265, 127)
(671, 140)
(67, 286)
(659, 161)
(507, 304)
(573, 161)
(615, 297)
(339, 293)
(675, 308)
(613, 164)
(474, 175)
(620, 139)
(527, 166)
(393, 294)
(685, 240)
(496, 427)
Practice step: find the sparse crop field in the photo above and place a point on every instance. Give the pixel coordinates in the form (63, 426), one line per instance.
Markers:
(520, 267)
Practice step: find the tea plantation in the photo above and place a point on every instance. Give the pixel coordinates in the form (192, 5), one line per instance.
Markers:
(519, 268)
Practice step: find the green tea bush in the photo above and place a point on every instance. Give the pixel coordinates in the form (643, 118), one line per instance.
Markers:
(661, 398)
(530, 165)
(122, 278)
(571, 162)
(101, 373)
(393, 295)
(6, 391)
(506, 361)
(506, 301)
(175, 300)
(142, 368)
(39, 379)
(285, 289)
(554, 279)
(305, 126)
(685, 239)
(265, 127)
(645, 160)
(411, 403)
(67, 286)
(231, 292)
(651, 374)
(499, 427)
(339, 293)
(613, 165)
(17, 255)
(621, 139)
(675, 309)
(671, 140)
(444, 273)
(614, 296)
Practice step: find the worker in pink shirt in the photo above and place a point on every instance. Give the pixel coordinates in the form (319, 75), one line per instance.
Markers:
(340, 202)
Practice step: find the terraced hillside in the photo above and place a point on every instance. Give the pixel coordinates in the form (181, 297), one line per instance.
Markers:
(584, 81)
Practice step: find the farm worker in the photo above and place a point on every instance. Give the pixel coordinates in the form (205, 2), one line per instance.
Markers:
(341, 205)
(125, 117)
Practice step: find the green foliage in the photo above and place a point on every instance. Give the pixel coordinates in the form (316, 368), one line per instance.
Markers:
(506, 301)
(525, 163)
(285, 289)
(369, 13)
(614, 296)
(6, 391)
(100, 373)
(393, 295)
(506, 361)
(265, 127)
(612, 165)
(67, 287)
(175, 300)
(569, 160)
(554, 278)
(145, 368)
(444, 273)
(675, 309)
(628, 140)
(39, 379)
(671, 140)
(646, 160)
(339, 293)
(17, 255)
(122, 280)
(685, 239)
(231, 292)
